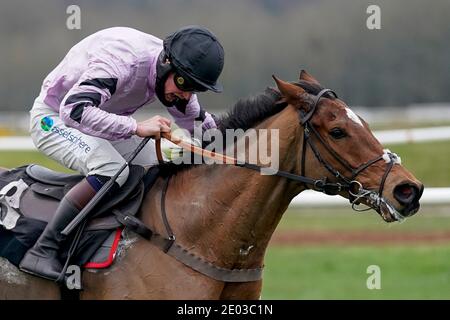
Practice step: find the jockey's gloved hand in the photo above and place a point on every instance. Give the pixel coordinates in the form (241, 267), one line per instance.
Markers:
(153, 127)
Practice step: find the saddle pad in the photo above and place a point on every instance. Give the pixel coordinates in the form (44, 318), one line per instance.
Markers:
(104, 256)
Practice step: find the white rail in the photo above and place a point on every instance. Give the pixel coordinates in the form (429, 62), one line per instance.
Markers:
(308, 198)
(413, 135)
(16, 144)
(385, 137)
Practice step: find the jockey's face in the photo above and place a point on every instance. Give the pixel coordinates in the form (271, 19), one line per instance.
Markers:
(172, 92)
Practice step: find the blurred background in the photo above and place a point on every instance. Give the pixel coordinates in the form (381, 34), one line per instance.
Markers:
(397, 77)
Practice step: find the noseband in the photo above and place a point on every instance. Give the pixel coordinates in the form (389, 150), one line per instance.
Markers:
(351, 186)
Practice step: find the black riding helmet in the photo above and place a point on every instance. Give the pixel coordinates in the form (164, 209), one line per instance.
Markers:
(196, 57)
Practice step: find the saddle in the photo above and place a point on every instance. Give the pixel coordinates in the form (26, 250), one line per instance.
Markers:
(29, 196)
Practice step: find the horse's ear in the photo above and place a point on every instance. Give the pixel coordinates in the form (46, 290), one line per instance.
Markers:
(305, 76)
(291, 93)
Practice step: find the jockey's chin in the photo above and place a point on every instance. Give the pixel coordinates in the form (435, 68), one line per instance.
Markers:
(171, 97)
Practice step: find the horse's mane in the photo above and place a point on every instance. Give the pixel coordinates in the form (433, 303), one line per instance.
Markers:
(249, 112)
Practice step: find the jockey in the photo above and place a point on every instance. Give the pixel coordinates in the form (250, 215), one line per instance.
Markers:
(82, 118)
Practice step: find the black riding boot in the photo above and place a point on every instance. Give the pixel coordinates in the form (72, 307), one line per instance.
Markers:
(42, 259)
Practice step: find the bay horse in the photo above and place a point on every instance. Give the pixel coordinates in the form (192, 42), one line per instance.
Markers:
(227, 214)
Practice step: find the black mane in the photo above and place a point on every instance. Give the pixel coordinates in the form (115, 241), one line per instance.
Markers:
(249, 112)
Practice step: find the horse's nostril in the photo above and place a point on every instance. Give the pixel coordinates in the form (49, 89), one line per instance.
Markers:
(407, 193)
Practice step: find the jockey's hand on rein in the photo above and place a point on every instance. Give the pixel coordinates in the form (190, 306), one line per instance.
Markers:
(153, 127)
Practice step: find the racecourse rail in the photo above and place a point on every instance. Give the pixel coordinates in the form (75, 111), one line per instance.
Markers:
(308, 198)
(385, 137)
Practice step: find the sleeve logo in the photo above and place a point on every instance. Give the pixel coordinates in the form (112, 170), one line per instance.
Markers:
(46, 123)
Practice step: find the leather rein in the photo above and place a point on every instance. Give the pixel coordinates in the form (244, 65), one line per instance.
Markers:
(352, 187)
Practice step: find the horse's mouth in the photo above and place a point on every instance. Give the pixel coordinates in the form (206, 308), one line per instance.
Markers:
(390, 214)
(387, 211)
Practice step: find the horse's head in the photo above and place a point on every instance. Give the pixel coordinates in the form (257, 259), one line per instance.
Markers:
(340, 146)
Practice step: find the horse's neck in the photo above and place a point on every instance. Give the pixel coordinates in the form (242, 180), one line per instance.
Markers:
(228, 213)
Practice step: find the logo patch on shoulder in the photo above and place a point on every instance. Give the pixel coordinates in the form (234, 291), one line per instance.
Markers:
(46, 123)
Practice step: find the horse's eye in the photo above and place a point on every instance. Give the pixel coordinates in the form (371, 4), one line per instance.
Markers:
(337, 133)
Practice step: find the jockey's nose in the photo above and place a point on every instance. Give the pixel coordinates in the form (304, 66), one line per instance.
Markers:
(186, 95)
(408, 194)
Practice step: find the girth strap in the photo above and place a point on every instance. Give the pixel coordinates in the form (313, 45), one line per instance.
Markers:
(173, 249)
(204, 267)
(168, 246)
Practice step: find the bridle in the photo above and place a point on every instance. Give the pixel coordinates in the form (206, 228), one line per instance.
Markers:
(354, 188)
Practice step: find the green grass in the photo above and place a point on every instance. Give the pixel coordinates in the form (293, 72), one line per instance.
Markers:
(418, 271)
(407, 272)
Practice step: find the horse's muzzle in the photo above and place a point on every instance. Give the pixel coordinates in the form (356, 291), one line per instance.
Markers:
(408, 195)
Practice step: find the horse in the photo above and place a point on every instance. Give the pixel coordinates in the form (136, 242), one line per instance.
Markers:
(226, 214)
